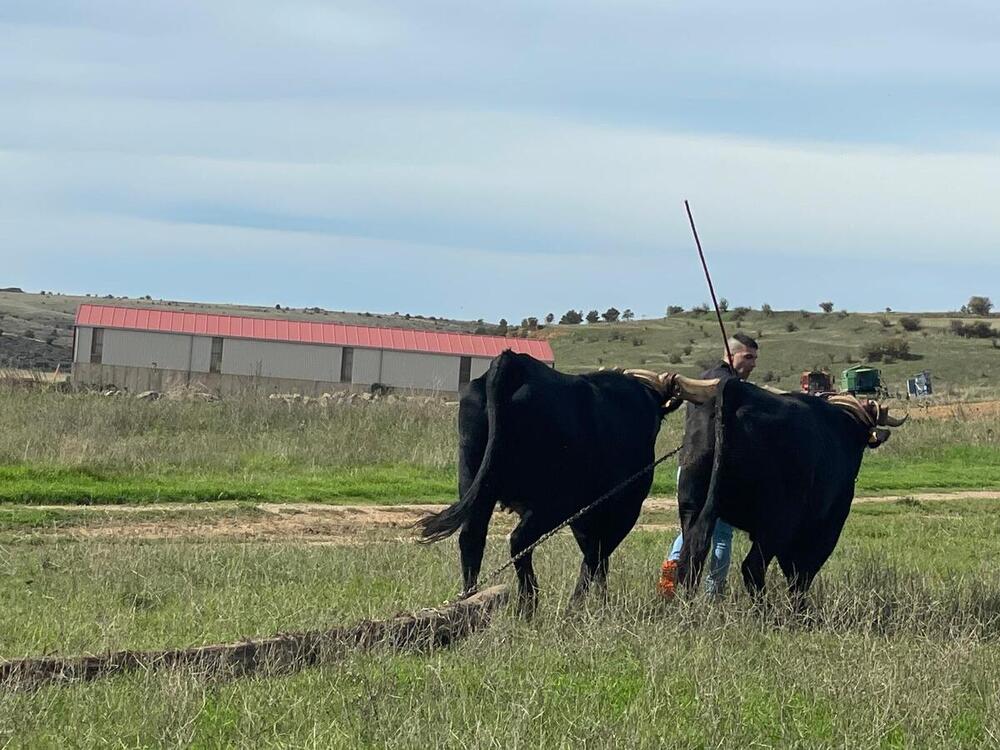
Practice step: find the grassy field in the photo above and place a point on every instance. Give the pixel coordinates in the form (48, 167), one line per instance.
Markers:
(900, 649)
(65, 447)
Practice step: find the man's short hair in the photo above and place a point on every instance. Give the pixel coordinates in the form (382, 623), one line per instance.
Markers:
(740, 340)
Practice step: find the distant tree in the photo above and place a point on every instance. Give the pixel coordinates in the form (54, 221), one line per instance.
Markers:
(723, 304)
(502, 327)
(593, 316)
(611, 314)
(532, 324)
(700, 309)
(549, 318)
(687, 349)
(791, 327)
(740, 312)
(979, 306)
(628, 314)
(766, 309)
(674, 358)
(910, 323)
(571, 317)
(277, 307)
(826, 307)
(674, 310)
(888, 309)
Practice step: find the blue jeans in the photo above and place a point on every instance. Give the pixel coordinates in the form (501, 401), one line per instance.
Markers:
(718, 564)
(722, 552)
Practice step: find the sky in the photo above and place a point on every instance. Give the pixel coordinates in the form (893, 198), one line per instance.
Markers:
(488, 160)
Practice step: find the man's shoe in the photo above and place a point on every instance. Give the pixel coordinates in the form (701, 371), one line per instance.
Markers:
(667, 585)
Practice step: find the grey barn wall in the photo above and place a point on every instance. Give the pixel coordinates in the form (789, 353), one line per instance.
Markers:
(306, 368)
(165, 351)
(415, 370)
(84, 338)
(479, 366)
(366, 367)
(201, 353)
(277, 359)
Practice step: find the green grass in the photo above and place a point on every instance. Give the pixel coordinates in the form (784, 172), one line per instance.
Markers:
(72, 448)
(900, 649)
(360, 484)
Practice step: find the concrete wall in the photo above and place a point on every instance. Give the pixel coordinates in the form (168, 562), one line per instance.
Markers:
(165, 351)
(276, 359)
(437, 372)
(139, 379)
(84, 338)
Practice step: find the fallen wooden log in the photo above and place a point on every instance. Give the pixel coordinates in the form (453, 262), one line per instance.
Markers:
(422, 630)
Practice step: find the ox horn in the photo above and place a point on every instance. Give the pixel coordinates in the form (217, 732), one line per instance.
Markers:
(885, 419)
(692, 389)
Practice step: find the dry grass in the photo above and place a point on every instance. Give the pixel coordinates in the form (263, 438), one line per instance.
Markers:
(899, 648)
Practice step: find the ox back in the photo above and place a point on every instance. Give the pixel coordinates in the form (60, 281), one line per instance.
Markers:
(781, 467)
(544, 444)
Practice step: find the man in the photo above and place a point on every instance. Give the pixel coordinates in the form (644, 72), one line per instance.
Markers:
(701, 417)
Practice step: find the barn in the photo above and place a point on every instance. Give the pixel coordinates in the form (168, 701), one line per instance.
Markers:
(142, 349)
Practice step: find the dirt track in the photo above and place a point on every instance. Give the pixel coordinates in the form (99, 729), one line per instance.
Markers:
(311, 523)
(958, 410)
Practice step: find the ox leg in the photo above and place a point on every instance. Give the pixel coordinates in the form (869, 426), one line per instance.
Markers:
(471, 544)
(755, 569)
(597, 542)
(800, 576)
(593, 568)
(526, 533)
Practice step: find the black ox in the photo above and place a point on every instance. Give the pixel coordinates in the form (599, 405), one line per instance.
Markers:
(781, 467)
(544, 444)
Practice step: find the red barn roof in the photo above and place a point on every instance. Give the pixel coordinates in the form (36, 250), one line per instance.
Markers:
(307, 332)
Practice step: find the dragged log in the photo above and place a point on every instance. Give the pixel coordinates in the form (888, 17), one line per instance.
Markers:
(287, 652)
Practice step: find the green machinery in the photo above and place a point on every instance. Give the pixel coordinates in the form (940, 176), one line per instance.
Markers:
(861, 379)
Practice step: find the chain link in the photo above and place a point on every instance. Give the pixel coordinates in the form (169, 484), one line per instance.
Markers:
(580, 513)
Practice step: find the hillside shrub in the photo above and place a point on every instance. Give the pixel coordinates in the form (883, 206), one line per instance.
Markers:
(978, 330)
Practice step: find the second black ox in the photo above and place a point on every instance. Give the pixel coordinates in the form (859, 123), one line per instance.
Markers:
(544, 444)
(781, 467)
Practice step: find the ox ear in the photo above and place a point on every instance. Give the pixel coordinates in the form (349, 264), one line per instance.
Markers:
(877, 436)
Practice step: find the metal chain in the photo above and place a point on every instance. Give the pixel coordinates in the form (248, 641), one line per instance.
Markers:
(583, 511)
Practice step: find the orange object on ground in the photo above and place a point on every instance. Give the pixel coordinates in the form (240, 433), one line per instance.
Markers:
(667, 585)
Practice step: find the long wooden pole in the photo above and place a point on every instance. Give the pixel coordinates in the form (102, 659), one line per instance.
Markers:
(708, 278)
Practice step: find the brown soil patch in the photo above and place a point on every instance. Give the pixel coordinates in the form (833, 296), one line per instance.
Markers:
(960, 410)
(316, 524)
(330, 524)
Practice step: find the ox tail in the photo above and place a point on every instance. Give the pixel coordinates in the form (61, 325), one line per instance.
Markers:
(482, 491)
(699, 537)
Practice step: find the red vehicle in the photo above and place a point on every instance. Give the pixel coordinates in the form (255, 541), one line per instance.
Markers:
(816, 381)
